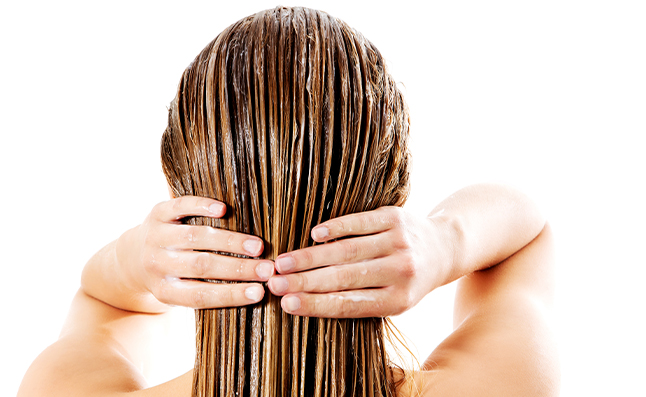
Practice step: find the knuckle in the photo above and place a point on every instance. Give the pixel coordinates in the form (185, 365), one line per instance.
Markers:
(407, 268)
(396, 217)
(382, 214)
(304, 258)
(198, 298)
(298, 282)
(189, 233)
(150, 263)
(344, 278)
(201, 265)
(231, 238)
(366, 221)
(397, 213)
(336, 226)
(399, 240)
(227, 295)
(202, 202)
(350, 250)
(375, 220)
(347, 308)
(245, 269)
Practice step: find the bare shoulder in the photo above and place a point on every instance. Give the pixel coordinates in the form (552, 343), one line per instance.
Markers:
(65, 369)
(89, 359)
(502, 343)
(58, 371)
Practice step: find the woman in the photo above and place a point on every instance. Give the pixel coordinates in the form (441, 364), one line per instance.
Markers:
(290, 118)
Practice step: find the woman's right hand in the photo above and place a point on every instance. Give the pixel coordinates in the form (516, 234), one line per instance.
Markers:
(167, 260)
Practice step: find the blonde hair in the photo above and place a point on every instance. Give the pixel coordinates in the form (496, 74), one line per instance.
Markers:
(290, 118)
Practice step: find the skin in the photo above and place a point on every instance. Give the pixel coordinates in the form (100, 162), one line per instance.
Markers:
(386, 263)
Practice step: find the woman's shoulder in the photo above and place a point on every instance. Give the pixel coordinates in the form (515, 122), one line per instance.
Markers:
(90, 357)
(502, 342)
(64, 369)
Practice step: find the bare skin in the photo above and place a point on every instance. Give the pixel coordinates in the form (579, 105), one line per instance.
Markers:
(492, 238)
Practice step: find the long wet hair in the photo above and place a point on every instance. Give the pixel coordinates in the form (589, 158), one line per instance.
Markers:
(290, 118)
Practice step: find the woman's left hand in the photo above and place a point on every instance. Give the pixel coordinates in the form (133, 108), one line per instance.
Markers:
(387, 261)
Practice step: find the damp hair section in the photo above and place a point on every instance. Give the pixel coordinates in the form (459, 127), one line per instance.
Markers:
(290, 118)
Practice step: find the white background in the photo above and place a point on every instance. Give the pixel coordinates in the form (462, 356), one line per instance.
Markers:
(547, 96)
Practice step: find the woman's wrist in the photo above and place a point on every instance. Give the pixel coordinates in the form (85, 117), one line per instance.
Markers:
(449, 243)
(135, 295)
(110, 277)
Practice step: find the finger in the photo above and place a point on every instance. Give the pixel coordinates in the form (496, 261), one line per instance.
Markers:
(204, 295)
(347, 304)
(207, 265)
(206, 238)
(338, 252)
(175, 209)
(367, 274)
(361, 223)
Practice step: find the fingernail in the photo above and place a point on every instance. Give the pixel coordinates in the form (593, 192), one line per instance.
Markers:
(216, 208)
(264, 270)
(320, 232)
(252, 246)
(278, 284)
(253, 293)
(285, 263)
(291, 303)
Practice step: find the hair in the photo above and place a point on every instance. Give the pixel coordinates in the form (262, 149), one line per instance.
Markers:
(290, 118)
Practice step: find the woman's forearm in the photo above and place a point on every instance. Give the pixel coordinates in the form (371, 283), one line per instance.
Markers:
(483, 225)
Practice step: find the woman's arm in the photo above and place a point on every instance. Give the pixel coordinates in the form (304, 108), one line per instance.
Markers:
(502, 342)
(105, 345)
(393, 259)
(493, 238)
(102, 346)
